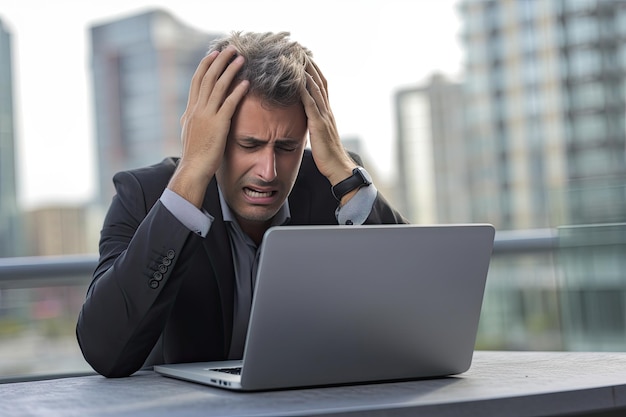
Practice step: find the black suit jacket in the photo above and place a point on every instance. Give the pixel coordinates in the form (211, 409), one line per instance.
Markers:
(160, 288)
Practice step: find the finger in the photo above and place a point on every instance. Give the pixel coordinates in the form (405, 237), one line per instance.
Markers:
(224, 85)
(319, 80)
(214, 72)
(313, 97)
(310, 107)
(320, 75)
(232, 101)
(198, 75)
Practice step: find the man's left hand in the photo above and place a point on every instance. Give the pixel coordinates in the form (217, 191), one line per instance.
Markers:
(329, 154)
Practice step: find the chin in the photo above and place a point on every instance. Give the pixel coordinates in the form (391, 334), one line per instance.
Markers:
(259, 216)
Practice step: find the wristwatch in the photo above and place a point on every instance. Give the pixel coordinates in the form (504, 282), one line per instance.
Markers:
(359, 178)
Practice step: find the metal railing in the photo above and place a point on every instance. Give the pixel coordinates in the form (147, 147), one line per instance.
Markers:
(36, 271)
(535, 293)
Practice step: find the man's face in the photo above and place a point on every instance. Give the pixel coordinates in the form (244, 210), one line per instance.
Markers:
(261, 160)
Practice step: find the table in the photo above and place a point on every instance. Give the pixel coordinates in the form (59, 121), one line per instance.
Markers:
(498, 384)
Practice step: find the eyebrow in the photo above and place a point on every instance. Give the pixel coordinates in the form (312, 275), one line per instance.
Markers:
(256, 141)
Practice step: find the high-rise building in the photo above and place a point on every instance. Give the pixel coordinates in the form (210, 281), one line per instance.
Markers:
(431, 153)
(546, 111)
(545, 133)
(58, 230)
(542, 143)
(142, 69)
(10, 234)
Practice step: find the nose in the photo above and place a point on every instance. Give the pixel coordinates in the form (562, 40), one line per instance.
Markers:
(266, 164)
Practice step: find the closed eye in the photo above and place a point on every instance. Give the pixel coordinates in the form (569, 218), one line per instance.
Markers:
(248, 146)
(286, 148)
(288, 145)
(250, 143)
(285, 145)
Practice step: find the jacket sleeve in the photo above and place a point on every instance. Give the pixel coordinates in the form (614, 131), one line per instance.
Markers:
(383, 213)
(135, 283)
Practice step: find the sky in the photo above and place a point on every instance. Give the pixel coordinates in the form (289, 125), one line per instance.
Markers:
(367, 49)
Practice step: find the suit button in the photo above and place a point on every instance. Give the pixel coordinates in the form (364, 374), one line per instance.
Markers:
(167, 261)
(171, 253)
(162, 268)
(157, 276)
(154, 284)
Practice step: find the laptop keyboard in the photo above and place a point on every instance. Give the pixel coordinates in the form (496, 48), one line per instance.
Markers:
(232, 371)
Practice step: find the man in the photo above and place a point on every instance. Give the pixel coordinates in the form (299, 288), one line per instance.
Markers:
(179, 245)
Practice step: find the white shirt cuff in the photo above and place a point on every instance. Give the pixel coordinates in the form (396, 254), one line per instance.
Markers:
(198, 221)
(359, 207)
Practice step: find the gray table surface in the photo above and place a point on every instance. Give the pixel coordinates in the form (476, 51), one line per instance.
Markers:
(497, 384)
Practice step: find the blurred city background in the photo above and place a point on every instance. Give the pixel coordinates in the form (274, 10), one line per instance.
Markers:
(527, 133)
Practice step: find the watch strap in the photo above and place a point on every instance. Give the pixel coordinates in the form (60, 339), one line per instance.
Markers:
(359, 178)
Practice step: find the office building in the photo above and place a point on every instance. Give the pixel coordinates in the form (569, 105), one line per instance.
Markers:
(59, 230)
(545, 133)
(10, 222)
(546, 111)
(142, 68)
(431, 153)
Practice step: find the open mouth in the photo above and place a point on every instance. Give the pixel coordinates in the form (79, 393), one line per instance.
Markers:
(257, 194)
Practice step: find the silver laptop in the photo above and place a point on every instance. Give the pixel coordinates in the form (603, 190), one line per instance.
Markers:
(353, 304)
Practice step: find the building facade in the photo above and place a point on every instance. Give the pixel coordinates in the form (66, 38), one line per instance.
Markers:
(10, 218)
(431, 156)
(541, 144)
(59, 230)
(546, 112)
(545, 129)
(142, 68)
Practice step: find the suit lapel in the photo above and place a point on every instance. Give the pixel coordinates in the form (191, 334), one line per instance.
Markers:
(310, 200)
(217, 247)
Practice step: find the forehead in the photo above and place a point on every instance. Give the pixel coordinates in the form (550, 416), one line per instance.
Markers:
(256, 119)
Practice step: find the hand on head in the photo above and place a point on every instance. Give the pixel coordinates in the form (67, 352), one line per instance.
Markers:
(213, 100)
(216, 93)
(329, 154)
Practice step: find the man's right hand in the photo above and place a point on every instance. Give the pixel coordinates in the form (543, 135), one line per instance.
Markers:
(213, 99)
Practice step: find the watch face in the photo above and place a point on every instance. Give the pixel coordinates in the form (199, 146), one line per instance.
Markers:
(365, 175)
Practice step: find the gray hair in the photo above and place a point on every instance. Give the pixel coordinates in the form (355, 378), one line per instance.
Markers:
(274, 65)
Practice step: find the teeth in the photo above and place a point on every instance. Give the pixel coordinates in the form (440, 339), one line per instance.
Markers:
(257, 194)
